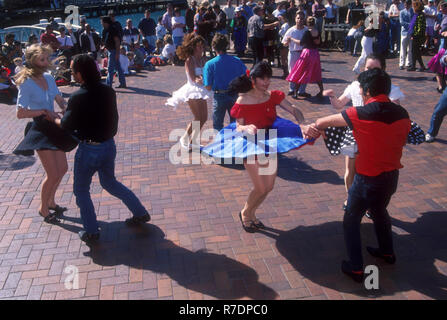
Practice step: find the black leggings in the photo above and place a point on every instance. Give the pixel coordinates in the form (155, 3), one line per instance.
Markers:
(417, 53)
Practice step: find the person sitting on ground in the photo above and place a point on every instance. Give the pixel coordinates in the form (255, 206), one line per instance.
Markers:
(168, 52)
(138, 55)
(8, 90)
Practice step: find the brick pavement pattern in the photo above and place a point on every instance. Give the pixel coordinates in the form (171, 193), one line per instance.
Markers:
(194, 247)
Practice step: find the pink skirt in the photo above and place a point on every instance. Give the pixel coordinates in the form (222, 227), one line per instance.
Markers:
(435, 64)
(307, 68)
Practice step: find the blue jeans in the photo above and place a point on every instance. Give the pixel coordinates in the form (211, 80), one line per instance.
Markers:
(438, 115)
(222, 103)
(90, 159)
(177, 41)
(114, 65)
(372, 193)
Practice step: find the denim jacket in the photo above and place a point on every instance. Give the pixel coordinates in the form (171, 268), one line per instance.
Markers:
(405, 19)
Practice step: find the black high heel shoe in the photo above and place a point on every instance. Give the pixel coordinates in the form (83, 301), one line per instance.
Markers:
(251, 228)
(58, 210)
(51, 218)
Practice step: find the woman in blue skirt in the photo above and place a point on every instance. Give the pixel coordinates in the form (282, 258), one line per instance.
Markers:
(258, 132)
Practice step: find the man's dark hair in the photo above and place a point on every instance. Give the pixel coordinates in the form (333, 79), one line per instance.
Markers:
(219, 43)
(378, 57)
(9, 36)
(86, 66)
(376, 81)
(106, 19)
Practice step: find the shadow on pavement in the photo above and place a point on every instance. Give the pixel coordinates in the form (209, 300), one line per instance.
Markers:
(146, 92)
(293, 169)
(147, 248)
(14, 162)
(316, 253)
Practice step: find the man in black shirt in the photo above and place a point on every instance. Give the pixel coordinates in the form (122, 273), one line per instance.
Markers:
(92, 116)
(112, 41)
(356, 12)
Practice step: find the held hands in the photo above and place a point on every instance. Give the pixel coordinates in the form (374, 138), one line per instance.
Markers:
(250, 129)
(50, 115)
(310, 131)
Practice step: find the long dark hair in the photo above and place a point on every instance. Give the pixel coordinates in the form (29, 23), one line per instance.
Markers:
(86, 66)
(244, 84)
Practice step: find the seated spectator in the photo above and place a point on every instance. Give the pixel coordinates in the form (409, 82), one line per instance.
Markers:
(138, 54)
(8, 90)
(62, 75)
(160, 45)
(18, 62)
(160, 30)
(168, 52)
(148, 49)
(353, 39)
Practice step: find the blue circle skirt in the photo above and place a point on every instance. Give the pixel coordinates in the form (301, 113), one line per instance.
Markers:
(230, 143)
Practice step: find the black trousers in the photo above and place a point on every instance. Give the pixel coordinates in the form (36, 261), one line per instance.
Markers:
(417, 53)
(257, 46)
(372, 193)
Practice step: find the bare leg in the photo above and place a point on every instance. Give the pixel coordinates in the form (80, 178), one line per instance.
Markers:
(195, 109)
(49, 162)
(62, 168)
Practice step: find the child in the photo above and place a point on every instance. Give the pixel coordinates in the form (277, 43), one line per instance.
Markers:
(160, 30)
(168, 52)
(8, 90)
(62, 75)
(138, 55)
(124, 61)
(159, 47)
(19, 65)
(147, 47)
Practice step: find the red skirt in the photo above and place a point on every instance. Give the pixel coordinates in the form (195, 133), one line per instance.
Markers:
(307, 68)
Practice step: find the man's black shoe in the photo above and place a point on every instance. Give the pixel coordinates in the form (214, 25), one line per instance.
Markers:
(290, 93)
(304, 94)
(88, 237)
(122, 86)
(136, 221)
(375, 252)
(356, 275)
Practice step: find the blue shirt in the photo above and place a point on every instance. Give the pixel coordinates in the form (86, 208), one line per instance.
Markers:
(221, 70)
(405, 19)
(33, 97)
(247, 13)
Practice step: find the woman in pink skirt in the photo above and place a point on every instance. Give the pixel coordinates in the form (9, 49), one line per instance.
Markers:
(435, 66)
(307, 68)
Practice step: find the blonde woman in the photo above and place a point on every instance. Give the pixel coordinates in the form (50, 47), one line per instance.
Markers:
(37, 93)
(193, 92)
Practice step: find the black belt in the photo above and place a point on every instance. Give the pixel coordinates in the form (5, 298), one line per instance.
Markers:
(91, 142)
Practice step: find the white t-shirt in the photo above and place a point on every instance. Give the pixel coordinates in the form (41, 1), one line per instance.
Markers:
(229, 11)
(330, 11)
(65, 41)
(168, 51)
(178, 32)
(296, 34)
(124, 62)
(431, 11)
(352, 92)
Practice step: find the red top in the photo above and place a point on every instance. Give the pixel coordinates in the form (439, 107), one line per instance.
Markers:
(262, 115)
(380, 129)
(49, 39)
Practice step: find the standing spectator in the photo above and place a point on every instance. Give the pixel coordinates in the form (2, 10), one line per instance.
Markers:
(380, 129)
(270, 36)
(330, 18)
(367, 45)
(48, 38)
(217, 75)
(167, 18)
(10, 51)
(256, 29)
(77, 33)
(160, 30)
(292, 11)
(66, 44)
(221, 20)
(247, 11)
(239, 33)
(280, 9)
(112, 41)
(393, 15)
(405, 17)
(439, 112)
(92, 113)
(430, 12)
(356, 12)
(147, 28)
(178, 24)
(74, 38)
(417, 32)
(292, 39)
(318, 11)
(90, 41)
(229, 10)
(189, 16)
(116, 24)
(283, 50)
(130, 33)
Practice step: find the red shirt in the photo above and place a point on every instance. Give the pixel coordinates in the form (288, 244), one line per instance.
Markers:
(380, 129)
(262, 115)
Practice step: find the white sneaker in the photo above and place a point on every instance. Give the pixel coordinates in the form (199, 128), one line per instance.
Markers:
(429, 138)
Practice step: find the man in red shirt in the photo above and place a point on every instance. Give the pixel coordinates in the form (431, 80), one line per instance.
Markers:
(380, 129)
(48, 38)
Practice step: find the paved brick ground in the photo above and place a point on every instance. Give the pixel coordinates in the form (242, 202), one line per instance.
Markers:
(194, 247)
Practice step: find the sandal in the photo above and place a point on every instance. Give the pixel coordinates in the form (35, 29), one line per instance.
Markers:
(58, 210)
(258, 224)
(251, 228)
(50, 218)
